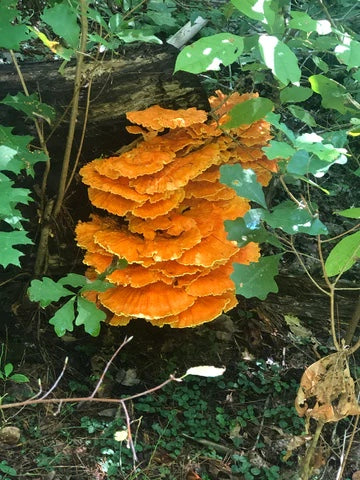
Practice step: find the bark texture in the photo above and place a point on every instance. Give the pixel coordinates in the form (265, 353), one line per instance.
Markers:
(133, 81)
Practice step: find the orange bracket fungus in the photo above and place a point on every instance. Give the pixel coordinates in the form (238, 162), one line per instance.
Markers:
(164, 211)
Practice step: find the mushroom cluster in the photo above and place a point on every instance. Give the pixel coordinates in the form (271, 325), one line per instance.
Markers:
(165, 215)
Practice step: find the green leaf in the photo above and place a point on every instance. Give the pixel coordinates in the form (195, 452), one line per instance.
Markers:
(249, 229)
(89, 316)
(248, 112)
(333, 94)
(11, 33)
(338, 138)
(255, 471)
(302, 115)
(244, 182)
(302, 21)
(5, 468)
(7, 155)
(319, 62)
(295, 94)
(138, 35)
(98, 286)
(324, 155)
(353, 212)
(356, 75)
(24, 159)
(160, 14)
(8, 368)
(264, 11)
(8, 254)
(311, 142)
(294, 219)
(110, 45)
(10, 197)
(251, 8)
(301, 163)
(8, 10)
(95, 15)
(46, 291)
(116, 22)
(30, 105)
(63, 320)
(274, 119)
(63, 21)
(280, 59)
(343, 256)
(278, 150)
(209, 53)
(354, 131)
(256, 279)
(19, 378)
(73, 279)
(349, 52)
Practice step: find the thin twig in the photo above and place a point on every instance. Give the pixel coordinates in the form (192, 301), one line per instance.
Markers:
(286, 188)
(74, 109)
(327, 13)
(82, 138)
(39, 132)
(23, 274)
(31, 398)
(56, 383)
(306, 466)
(298, 256)
(354, 322)
(91, 398)
(344, 459)
(171, 378)
(101, 379)
(129, 435)
(261, 426)
(356, 227)
(353, 349)
(331, 287)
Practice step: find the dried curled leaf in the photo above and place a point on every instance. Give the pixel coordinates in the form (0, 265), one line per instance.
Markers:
(329, 387)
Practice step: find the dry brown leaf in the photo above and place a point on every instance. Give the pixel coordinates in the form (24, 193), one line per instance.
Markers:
(328, 385)
(295, 442)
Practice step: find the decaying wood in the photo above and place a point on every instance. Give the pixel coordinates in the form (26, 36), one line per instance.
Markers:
(299, 297)
(133, 81)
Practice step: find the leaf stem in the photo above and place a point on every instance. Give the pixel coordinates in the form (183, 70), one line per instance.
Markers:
(74, 109)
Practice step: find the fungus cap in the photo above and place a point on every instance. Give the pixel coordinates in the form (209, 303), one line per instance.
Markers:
(158, 118)
(151, 302)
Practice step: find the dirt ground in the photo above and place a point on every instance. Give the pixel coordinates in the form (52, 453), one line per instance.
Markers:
(240, 425)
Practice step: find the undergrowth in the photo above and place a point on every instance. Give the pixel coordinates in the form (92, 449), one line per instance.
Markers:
(208, 419)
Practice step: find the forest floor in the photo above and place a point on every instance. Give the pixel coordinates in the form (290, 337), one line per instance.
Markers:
(241, 425)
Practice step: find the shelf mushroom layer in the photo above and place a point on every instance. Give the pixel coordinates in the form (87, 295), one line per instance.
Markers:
(163, 212)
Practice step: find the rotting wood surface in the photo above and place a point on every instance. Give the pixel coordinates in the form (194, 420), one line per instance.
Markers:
(133, 81)
(299, 297)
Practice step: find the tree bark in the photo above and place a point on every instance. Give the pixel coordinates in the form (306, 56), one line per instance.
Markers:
(136, 80)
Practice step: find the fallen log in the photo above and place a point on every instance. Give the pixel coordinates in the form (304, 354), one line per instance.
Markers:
(134, 80)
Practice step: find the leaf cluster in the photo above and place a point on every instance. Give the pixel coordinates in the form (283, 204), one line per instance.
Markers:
(285, 37)
(77, 310)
